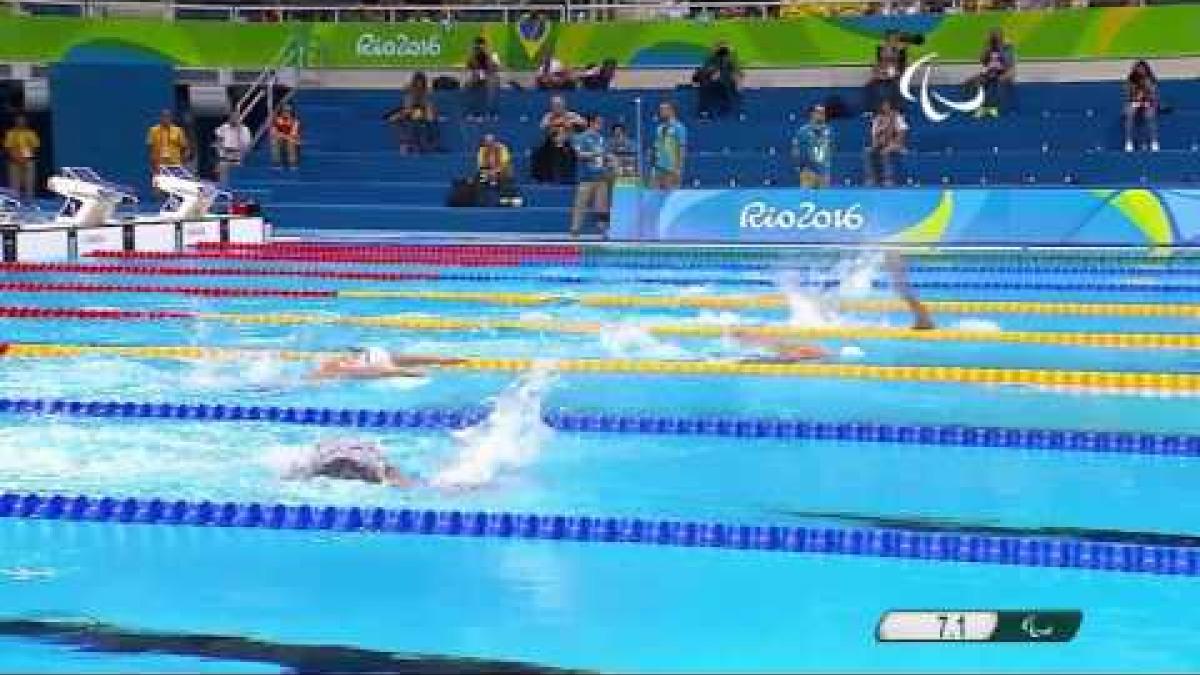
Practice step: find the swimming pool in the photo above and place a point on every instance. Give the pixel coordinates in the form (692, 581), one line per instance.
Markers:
(622, 483)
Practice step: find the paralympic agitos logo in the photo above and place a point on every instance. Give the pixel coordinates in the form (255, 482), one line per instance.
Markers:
(928, 97)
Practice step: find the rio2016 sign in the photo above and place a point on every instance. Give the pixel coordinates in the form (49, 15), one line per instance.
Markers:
(373, 46)
(991, 216)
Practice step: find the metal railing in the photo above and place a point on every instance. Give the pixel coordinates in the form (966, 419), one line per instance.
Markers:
(551, 10)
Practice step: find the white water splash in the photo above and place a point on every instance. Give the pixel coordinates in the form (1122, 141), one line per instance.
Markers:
(977, 325)
(511, 437)
(816, 307)
(851, 353)
(630, 341)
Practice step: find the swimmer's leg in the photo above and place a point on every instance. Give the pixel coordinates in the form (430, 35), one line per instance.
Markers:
(898, 270)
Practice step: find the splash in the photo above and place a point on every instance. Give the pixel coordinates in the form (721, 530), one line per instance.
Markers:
(511, 437)
(816, 307)
(630, 341)
(977, 325)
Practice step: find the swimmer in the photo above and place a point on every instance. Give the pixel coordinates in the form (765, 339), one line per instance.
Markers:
(783, 350)
(346, 459)
(898, 270)
(377, 363)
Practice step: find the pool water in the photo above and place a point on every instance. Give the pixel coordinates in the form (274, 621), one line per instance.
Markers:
(105, 597)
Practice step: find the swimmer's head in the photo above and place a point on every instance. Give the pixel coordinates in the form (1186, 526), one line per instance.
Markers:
(345, 468)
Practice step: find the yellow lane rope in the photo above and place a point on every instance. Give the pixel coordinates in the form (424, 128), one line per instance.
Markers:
(1177, 382)
(776, 301)
(430, 323)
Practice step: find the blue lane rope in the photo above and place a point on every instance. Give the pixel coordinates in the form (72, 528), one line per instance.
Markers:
(874, 542)
(1065, 440)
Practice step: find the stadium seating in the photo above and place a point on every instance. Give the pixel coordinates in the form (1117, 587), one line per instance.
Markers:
(353, 175)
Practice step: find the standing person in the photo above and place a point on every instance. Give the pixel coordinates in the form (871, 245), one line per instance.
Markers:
(167, 142)
(483, 81)
(812, 148)
(554, 160)
(999, 72)
(21, 145)
(669, 149)
(285, 139)
(891, 58)
(888, 134)
(232, 141)
(591, 194)
(1141, 103)
(719, 79)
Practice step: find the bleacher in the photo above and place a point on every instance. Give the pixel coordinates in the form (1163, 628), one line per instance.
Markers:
(353, 176)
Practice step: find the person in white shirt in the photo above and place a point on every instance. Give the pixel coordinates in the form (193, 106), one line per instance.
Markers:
(232, 141)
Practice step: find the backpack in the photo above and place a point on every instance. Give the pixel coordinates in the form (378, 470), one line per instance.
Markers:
(463, 192)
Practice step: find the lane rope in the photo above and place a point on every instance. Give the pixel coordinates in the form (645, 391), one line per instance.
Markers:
(431, 323)
(452, 419)
(1101, 380)
(874, 542)
(731, 302)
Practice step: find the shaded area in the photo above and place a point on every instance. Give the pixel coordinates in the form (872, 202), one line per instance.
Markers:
(99, 637)
(953, 526)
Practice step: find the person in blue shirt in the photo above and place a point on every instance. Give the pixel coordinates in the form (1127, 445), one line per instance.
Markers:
(593, 172)
(812, 149)
(669, 149)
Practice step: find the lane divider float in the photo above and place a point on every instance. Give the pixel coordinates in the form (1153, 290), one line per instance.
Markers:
(1072, 379)
(430, 323)
(963, 546)
(452, 419)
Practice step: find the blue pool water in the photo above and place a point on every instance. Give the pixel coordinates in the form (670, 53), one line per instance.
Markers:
(101, 597)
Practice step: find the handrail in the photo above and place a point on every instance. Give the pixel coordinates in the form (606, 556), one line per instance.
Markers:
(567, 10)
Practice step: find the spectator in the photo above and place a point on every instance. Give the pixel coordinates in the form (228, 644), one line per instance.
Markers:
(591, 194)
(494, 162)
(719, 80)
(554, 159)
(167, 142)
(416, 118)
(891, 58)
(599, 78)
(886, 143)
(669, 149)
(21, 145)
(285, 139)
(812, 148)
(483, 80)
(1141, 103)
(232, 141)
(552, 73)
(998, 75)
(623, 152)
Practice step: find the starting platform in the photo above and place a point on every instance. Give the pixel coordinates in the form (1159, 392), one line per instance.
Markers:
(91, 220)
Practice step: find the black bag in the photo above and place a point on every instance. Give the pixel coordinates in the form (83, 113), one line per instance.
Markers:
(463, 192)
(445, 83)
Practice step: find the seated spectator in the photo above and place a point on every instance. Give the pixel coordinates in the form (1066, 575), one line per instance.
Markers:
(1141, 104)
(623, 152)
(599, 78)
(285, 139)
(998, 75)
(21, 144)
(494, 163)
(416, 119)
(891, 58)
(483, 81)
(554, 160)
(552, 73)
(719, 80)
(885, 145)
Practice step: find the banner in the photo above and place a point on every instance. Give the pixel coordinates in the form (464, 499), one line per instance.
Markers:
(1042, 216)
(1118, 32)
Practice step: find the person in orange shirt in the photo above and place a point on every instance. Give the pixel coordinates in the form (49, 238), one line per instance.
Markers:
(21, 146)
(285, 139)
(167, 142)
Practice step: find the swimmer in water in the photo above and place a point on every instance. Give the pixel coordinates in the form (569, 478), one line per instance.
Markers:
(375, 364)
(782, 349)
(346, 459)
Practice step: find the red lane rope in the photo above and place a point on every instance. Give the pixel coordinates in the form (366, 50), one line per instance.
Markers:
(33, 268)
(215, 292)
(76, 313)
(564, 251)
(360, 256)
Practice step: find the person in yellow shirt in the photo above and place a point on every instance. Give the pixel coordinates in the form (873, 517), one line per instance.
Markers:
(167, 142)
(21, 146)
(494, 161)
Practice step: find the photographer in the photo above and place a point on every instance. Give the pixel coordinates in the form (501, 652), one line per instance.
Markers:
(719, 81)
(891, 58)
